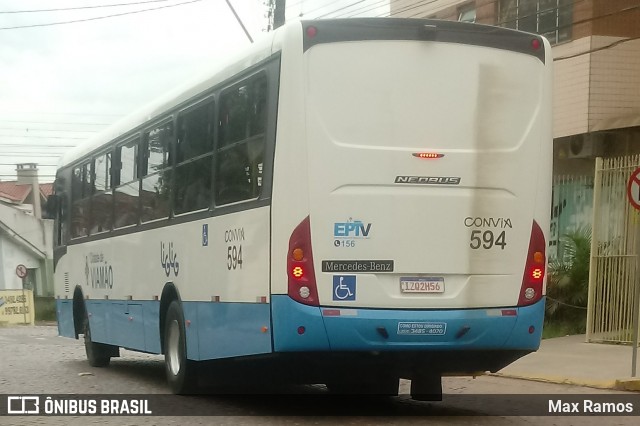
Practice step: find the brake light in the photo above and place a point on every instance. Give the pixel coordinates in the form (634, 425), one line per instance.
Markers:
(301, 276)
(428, 155)
(534, 271)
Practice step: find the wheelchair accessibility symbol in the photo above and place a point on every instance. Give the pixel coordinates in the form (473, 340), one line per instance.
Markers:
(344, 287)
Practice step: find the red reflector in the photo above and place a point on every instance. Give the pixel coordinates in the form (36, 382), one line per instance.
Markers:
(301, 330)
(531, 329)
(331, 312)
(536, 44)
(509, 313)
(427, 155)
(312, 32)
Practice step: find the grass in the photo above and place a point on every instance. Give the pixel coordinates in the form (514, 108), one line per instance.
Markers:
(553, 329)
(45, 308)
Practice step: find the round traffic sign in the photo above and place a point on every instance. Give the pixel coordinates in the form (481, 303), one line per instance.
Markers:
(633, 189)
(21, 271)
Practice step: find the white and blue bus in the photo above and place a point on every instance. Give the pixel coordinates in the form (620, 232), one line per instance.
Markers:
(348, 202)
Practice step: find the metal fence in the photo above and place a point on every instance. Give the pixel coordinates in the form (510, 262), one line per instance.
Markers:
(571, 209)
(614, 249)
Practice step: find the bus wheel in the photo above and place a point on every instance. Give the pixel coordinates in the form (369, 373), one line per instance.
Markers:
(181, 373)
(98, 354)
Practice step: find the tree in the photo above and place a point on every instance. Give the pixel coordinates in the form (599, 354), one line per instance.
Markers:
(568, 283)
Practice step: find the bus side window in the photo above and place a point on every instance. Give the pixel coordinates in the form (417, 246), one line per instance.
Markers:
(194, 152)
(102, 201)
(156, 172)
(127, 194)
(241, 143)
(81, 189)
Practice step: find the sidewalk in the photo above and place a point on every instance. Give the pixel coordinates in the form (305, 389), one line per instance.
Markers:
(570, 360)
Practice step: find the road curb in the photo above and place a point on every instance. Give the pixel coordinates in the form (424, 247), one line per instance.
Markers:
(632, 385)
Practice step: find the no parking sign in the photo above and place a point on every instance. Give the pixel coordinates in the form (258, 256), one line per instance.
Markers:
(633, 194)
(633, 189)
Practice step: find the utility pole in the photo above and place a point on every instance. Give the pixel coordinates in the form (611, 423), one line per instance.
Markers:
(278, 13)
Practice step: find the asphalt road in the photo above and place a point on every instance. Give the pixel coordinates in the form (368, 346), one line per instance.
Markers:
(33, 360)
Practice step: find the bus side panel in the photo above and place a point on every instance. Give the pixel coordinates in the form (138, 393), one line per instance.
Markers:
(290, 191)
(231, 329)
(64, 309)
(101, 321)
(288, 317)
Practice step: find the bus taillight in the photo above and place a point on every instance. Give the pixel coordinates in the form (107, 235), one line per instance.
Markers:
(533, 279)
(301, 276)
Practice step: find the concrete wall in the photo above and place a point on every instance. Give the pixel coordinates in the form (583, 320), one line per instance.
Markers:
(571, 87)
(614, 89)
(28, 241)
(17, 307)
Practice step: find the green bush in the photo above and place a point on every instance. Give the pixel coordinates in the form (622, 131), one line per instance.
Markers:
(568, 283)
(45, 308)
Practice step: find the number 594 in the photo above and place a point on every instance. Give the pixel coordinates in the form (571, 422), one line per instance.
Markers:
(486, 239)
(234, 257)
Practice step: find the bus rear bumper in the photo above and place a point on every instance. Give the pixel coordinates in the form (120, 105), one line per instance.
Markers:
(298, 327)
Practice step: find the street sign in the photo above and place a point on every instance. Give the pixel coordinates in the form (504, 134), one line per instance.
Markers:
(21, 271)
(633, 189)
(633, 194)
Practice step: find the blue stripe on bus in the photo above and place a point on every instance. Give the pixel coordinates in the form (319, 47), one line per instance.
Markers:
(365, 329)
(221, 330)
(214, 330)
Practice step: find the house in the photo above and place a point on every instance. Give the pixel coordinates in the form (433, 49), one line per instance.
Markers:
(25, 237)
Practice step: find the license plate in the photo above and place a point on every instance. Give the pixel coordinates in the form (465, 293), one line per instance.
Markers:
(422, 285)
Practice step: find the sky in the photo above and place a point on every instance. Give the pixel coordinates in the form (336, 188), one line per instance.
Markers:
(61, 84)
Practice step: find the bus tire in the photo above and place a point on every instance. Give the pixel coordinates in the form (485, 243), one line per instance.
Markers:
(181, 372)
(98, 354)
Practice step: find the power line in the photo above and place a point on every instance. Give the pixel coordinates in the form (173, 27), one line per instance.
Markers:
(39, 175)
(342, 8)
(98, 17)
(80, 7)
(40, 137)
(61, 113)
(364, 9)
(322, 7)
(31, 154)
(33, 129)
(39, 164)
(16, 145)
(598, 49)
(54, 122)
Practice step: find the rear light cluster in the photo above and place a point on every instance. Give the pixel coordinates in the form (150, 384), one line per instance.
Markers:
(534, 271)
(301, 275)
